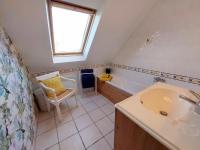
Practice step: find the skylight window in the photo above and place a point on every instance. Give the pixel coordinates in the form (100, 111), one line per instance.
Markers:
(70, 26)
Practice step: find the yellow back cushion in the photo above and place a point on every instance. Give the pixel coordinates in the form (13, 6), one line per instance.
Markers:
(54, 83)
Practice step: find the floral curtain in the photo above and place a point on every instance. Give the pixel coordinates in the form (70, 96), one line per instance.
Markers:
(17, 120)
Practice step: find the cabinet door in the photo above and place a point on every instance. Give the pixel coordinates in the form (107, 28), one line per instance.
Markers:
(112, 93)
(129, 136)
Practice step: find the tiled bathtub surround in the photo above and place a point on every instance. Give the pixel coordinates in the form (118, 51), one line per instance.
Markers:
(158, 73)
(76, 69)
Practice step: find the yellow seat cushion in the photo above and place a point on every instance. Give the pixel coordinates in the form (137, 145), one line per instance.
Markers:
(62, 95)
(56, 84)
(105, 77)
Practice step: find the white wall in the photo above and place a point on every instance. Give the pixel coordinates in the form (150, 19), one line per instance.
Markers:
(26, 23)
(177, 49)
(119, 19)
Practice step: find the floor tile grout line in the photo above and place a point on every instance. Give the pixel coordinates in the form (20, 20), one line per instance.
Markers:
(103, 137)
(40, 123)
(106, 139)
(58, 126)
(78, 131)
(106, 115)
(47, 118)
(100, 132)
(57, 130)
(81, 140)
(50, 147)
(56, 133)
(102, 119)
(94, 123)
(67, 137)
(73, 119)
(59, 142)
(97, 129)
(48, 129)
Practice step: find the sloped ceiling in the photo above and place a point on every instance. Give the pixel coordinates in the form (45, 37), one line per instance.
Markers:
(26, 23)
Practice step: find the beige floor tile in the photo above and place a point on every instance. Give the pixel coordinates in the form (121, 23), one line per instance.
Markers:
(90, 135)
(105, 125)
(100, 145)
(91, 93)
(72, 103)
(66, 130)
(78, 111)
(45, 115)
(96, 115)
(66, 117)
(110, 139)
(112, 117)
(55, 147)
(109, 101)
(63, 107)
(94, 97)
(83, 95)
(72, 143)
(108, 109)
(46, 125)
(83, 122)
(46, 140)
(100, 100)
(85, 100)
(90, 106)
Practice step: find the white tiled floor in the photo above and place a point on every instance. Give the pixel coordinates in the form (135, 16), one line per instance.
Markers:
(105, 125)
(86, 126)
(110, 139)
(46, 125)
(83, 122)
(100, 145)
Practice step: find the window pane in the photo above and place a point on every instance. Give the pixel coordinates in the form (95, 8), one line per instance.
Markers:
(69, 29)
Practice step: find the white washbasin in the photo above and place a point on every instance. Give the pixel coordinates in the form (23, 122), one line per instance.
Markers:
(165, 102)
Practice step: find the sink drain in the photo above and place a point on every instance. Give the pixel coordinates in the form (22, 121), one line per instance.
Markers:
(163, 113)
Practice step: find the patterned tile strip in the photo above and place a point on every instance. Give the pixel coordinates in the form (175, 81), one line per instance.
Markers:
(158, 73)
(74, 69)
(130, 68)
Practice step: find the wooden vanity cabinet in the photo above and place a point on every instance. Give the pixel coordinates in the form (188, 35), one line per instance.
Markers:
(111, 92)
(129, 136)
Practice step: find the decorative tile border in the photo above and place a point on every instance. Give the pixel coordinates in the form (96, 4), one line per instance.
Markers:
(75, 69)
(130, 68)
(158, 73)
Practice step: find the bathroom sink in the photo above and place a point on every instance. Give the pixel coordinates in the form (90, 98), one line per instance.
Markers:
(163, 101)
(188, 124)
(167, 103)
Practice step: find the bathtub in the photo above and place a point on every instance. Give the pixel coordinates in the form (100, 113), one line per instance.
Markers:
(128, 86)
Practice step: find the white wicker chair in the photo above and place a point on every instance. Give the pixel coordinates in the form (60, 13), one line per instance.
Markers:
(57, 99)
